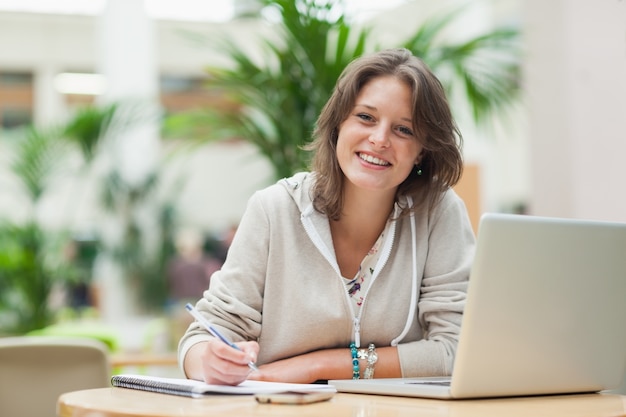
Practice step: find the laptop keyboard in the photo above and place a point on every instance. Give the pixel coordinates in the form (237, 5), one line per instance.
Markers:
(439, 383)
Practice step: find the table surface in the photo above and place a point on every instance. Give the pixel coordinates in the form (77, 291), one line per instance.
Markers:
(121, 402)
(143, 359)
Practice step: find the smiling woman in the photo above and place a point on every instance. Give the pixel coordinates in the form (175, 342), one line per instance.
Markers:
(377, 148)
(363, 226)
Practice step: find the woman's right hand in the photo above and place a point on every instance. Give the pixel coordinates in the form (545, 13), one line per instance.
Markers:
(215, 362)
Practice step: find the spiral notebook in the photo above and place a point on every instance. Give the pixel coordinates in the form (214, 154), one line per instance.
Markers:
(198, 389)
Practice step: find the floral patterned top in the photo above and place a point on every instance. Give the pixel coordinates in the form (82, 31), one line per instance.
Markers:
(357, 286)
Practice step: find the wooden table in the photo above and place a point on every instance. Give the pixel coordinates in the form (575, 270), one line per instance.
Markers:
(121, 402)
(143, 359)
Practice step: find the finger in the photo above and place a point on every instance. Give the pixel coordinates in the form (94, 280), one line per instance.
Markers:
(237, 355)
(251, 349)
(219, 367)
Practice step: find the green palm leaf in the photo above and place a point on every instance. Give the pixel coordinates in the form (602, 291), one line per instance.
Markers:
(88, 126)
(486, 68)
(275, 103)
(36, 160)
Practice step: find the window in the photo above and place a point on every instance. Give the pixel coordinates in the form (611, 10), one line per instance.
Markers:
(11, 117)
(16, 98)
(16, 79)
(181, 93)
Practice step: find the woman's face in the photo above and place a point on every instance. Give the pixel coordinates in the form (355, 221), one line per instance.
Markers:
(376, 146)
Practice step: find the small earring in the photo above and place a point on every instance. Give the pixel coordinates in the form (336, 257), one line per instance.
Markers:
(418, 170)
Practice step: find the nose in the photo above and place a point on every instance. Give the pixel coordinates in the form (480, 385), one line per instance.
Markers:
(380, 136)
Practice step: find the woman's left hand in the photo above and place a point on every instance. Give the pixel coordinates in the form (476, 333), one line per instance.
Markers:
(307, 368)
(299, 369)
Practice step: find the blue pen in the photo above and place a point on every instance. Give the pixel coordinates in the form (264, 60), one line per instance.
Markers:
(214, 332)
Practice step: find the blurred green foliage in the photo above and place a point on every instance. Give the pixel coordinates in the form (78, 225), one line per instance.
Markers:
(35, 260)
(31, 258)
(275, 100)
(31, 262)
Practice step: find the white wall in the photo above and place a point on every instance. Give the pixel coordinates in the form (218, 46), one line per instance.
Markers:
(575, 71)
(221, 177)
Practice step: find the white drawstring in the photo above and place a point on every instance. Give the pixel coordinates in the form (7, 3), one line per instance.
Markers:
(412, 306)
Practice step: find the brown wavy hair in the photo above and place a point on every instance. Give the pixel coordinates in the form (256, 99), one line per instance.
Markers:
(442, 161)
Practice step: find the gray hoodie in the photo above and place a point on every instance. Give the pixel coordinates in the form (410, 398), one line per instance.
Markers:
(281, 285)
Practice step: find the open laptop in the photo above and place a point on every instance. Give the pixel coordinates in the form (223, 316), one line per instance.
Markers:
(545, 313)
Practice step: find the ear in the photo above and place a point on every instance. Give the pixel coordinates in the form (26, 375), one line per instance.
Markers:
(418, 160)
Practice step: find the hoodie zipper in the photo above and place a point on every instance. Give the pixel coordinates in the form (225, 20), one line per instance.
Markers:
(382, 261)
(357, 327)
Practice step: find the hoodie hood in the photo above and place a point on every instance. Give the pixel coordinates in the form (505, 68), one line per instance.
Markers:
(317, 227)
(299, 188)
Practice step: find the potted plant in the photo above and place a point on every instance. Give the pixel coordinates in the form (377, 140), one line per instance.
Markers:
(274, 103)
(31, 257)
(34, 260)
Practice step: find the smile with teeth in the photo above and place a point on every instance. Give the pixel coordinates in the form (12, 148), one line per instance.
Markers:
(373, 160)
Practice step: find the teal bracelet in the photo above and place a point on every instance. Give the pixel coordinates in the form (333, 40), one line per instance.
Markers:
(356, 372)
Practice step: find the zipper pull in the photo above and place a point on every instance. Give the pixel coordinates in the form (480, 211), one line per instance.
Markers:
(357, 332)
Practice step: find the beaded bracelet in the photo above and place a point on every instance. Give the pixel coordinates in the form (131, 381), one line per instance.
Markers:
(356, 372)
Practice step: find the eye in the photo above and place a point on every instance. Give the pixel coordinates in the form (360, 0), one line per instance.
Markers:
(405, 130)
(364, 116)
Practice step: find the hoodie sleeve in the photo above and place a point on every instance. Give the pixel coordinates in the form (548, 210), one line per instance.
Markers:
(443, 291)
(233, 302)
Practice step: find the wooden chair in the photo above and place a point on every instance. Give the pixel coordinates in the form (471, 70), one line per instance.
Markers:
(35, 370)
